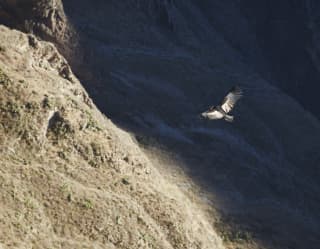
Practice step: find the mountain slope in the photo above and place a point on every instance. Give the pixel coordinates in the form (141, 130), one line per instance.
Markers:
(153, 66)
(69, 178)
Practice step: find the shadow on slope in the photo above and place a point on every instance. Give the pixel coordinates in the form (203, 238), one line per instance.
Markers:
(154, 68)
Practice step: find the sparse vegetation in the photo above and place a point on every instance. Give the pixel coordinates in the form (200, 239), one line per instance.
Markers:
(59, 126)
(64, 188)
(93, 163)
(125, 181)
(45, 176)
(147, 239)
(32, 107)
(62, 155)
(87, 204)
(96, 149)
(118, 220)
(29, 203)
(69, 197)
(4, 79)
(232, 233)
(94, 154)
(12, 108)
(47, 103)
(66, 191)
(91, 123)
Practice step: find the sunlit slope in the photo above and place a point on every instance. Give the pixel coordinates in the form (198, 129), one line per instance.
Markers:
(69, 178)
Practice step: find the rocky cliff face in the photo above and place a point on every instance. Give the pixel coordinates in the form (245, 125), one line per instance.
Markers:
(152, 66)
(44, 18)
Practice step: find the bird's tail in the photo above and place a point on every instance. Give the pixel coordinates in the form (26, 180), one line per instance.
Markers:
(228, 118)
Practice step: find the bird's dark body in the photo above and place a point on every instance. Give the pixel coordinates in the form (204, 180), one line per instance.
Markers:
(221, 111)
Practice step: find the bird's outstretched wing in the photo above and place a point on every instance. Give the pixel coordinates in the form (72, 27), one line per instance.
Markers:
(231, 99)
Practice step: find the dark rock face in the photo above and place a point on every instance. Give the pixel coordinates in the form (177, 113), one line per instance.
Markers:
(153, 66)
(288, 35)
(44, 18)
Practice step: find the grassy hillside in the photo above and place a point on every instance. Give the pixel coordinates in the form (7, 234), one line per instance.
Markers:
(69, 178)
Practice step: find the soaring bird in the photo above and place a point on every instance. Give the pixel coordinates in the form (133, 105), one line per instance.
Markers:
(222, 110)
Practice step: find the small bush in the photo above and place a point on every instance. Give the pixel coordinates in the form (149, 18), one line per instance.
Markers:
(47, 103)
(59, 126)
(233, 233)
(4, 79)
(87, 204)
(11, 108)
(92, 124)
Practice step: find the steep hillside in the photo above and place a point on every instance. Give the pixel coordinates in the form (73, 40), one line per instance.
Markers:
(69, 178)
(153, 66)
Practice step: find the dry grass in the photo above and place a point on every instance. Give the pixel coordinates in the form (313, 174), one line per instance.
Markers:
(69, 178)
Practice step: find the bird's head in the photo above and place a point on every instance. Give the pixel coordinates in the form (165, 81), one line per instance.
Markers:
(203, 115)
